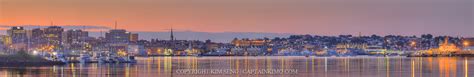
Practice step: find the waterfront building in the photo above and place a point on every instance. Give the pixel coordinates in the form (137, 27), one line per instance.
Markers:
(117, 36)
(134, 38)
(19, 38)
(211, 46)
(117, 40)
(154, 51)
(249, 42)
(352, 45)
(288, 51)
(446, 47)
(255, 51)
(54, 35)
(37, 36)
(6, 40)
(76, 36)
(75, 40)
(5, 43)
(18, 35)
(136, 49)
(238, 51)
(356, 48)
(97, 44)
(375, 50)
(468, 44)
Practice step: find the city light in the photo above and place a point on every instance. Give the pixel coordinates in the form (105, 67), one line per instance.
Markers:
(54, 53)
(412, 43)
(234, 38)
(35, 52)
(122, 53)
(465, 43)
(168, 52)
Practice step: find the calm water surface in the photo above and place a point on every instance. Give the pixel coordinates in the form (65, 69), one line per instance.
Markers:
(311, 66)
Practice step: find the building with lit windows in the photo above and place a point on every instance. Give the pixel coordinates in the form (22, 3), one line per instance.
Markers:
(6, 40)
(249, 42)
(468, 44)
(76, 36)
(37, 36)
(18, 35)
(54, 35)
(117, 36)
(117, 40)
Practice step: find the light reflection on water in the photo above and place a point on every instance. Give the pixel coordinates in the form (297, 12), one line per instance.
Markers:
(312, 66)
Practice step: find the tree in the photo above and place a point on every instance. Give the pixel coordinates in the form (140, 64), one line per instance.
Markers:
(427, 36)
(276, 39)
(266, 38)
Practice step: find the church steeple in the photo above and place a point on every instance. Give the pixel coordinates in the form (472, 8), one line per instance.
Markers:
(171, 35)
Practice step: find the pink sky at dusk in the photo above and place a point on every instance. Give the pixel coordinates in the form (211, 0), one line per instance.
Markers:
(322, 17)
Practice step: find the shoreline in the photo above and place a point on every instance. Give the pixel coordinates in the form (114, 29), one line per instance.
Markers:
(465, 55)
(30, 64)
(23, 59)
(453, 55)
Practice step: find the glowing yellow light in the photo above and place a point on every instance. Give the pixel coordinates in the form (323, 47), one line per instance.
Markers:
(54, 53)
(148, 53)
(122, 53)
(413, 43)
(158, 51)
(168, 52)
(466, 43)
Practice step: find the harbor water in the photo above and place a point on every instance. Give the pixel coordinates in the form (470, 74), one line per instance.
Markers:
(272, 66)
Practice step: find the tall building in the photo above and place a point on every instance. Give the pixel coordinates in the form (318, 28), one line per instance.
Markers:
(76, 36)
(18, 35)
(117, 40)
(134, 37)
(54, 34)
(117, 36)
(37, 36)
(5, 40)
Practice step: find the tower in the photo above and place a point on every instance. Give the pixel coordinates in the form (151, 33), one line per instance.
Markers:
(171, 35)
(115, 25)
(51, 23)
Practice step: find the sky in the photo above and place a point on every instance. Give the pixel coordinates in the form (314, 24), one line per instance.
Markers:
(319, 17)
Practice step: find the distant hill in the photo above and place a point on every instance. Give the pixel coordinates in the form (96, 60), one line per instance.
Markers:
(223, 37)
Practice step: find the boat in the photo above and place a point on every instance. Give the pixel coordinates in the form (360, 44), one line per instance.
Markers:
(85, 58)
(375, 50)
(117, 59)
(102, 60)
(132, 59)
(62, 58)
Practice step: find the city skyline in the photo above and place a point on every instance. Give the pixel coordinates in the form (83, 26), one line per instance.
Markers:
(316, 17)
(225, 38)
(166, 30)
(219, 37)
